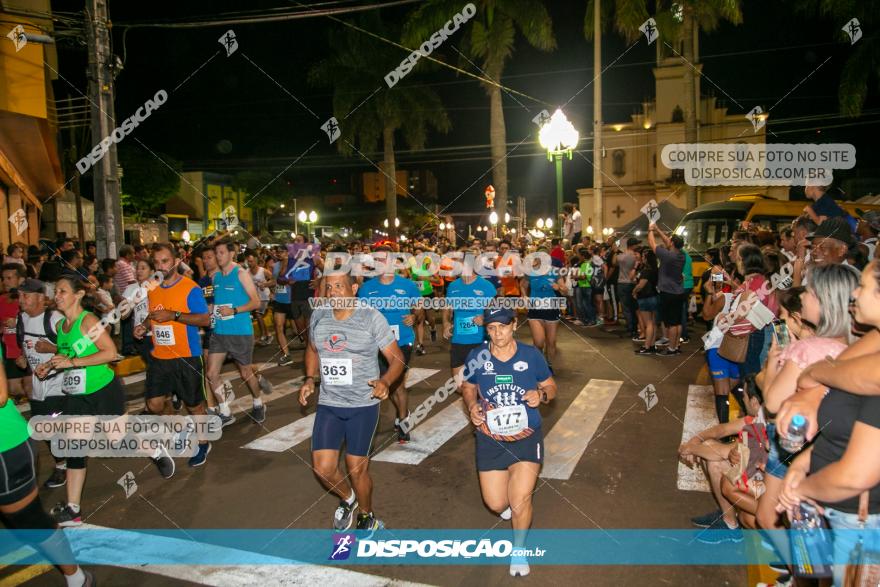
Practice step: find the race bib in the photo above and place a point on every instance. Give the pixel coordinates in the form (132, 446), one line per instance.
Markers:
(336, 371)
(396, 330)
(163, 335)
(74, 381)
(218, 316)
(507, 420)
(466, 326)
(281, 289)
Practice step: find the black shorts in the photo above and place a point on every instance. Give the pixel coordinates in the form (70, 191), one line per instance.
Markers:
(282, 308)
(545, 315)
(206, 341)
(407, 354)
(18, 472)
(671, 306)
(50, 405)
(13, 371)
(182, 376)
(497, 455)
(300, 309)
(107, 401)
(458, 353)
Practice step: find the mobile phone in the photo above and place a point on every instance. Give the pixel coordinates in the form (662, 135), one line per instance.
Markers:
(717, 277)
(780, 332)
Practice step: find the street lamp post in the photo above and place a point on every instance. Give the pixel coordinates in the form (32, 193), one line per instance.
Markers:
(559, 137)
(308, 220)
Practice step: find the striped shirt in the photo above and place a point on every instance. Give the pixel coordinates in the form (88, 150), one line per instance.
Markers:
(125, 275)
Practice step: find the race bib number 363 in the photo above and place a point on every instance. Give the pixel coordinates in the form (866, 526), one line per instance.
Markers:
(336, 371)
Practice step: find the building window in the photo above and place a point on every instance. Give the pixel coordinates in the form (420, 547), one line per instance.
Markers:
(678, 114)
(618, 163)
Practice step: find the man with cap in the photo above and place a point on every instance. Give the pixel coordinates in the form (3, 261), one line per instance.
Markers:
(626, 262)
(502, 396)
(830, 242)
(867, 230)
(37, 333)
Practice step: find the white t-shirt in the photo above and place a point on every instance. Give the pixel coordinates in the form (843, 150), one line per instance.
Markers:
(136, 294)
(259, 280)
(34, 330)
(576, 222)
(713, 338)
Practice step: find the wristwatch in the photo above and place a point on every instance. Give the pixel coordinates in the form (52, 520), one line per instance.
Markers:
(234, 310)
(177, 316)
(544, 399)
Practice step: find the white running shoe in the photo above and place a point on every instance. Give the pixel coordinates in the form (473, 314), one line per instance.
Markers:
(506, 514)
(519, 566)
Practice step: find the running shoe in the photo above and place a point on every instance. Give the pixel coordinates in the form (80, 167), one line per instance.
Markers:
(175, 402)
(706, 520)
(663, 341)
(669, 352)
(402, 437)
(684, 340)
(638, 338)
(265, 384)
(285, 360)
(199, 459)
(719, 532)
(506, 514)
(594, 323)
(224, 420)
(258, 414)
(519, 566)
(368, 522)
(420, 350)
(644, 352)
(344, 515)
(65, 516)
(58, 479)
(165, 464)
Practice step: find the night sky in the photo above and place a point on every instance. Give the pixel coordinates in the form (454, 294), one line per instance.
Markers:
(229, 116)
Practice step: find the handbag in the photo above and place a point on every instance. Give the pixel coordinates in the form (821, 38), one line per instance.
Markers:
(733, 347)
(863, 568)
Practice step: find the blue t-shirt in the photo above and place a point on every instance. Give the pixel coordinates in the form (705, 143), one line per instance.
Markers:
(826, 206)
(408, 295)
(541, 286)
(502, 384)
(474, 297)
(229, 292)
(282, 292)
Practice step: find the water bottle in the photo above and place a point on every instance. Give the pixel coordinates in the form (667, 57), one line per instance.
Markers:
(797, 433)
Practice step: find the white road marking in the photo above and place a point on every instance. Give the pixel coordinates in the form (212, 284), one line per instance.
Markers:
(427, 437)
(416, 375)
(699, 415)
(565, 444)
(286, 437)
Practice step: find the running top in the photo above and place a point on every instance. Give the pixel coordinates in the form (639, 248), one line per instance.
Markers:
(74, 343)
(229, 293)
(13, 426)
(347, 355)
(422, 278)
(9, 309)
(259, 282)
(501, 386)
(406, 294)
(172, 339)
(473, 299)
(136, 294)
(35, 329)
(282, 292)
(541, 286)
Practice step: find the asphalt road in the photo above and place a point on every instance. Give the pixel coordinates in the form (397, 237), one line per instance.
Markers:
(626, 477)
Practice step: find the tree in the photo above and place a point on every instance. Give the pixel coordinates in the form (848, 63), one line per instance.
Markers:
(864, 60)
(367, 110)
(263, 190)
(488, 38)
(148, 181)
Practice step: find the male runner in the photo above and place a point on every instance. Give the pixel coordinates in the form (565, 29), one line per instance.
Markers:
(466, 297)
(396, 298)
(235, 297)
(343, 345)
(177, 310)
(281, 311)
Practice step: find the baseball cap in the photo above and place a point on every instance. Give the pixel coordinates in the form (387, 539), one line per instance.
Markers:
(502, 315)
(633, 241)
(836, 228)
(32, 286)
(871, 218)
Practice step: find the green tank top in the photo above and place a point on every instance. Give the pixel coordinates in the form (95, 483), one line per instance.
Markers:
(13, 426)
(586, 274)
(81, 380)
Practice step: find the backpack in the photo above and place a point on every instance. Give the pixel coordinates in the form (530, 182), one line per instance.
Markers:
(51, 334)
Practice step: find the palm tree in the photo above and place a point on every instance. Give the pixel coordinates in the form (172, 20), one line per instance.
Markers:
(368, 111)
(487, 38)
(864, 61)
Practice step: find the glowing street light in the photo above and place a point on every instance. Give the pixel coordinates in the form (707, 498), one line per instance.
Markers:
(540, 223)
(589, 230)
(506, 218)
(559, 137)
(442, 226)
(493, 218)
(308, 220)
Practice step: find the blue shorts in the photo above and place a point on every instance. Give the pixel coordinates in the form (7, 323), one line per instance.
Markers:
(496, 455)
(355, 426)
(721, 368)
(647, 304)
(778, 459)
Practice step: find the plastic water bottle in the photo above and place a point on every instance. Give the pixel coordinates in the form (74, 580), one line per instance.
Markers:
(797, 434)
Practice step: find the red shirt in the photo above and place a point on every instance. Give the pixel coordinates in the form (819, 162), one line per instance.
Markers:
(558, 253)
(9, 309)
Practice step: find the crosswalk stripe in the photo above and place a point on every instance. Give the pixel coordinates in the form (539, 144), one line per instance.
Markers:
(699, 415)
(565, 444)
(15, 556)
(275, 571)
(24, 575)
(286, 437)
(427, 437)
(415, 375)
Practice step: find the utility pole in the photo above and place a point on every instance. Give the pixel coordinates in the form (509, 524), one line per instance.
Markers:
(598, 202)
(105, 180)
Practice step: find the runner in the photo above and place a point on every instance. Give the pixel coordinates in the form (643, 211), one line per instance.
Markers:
(234, 298)
(299, 275)
(343, 345)
(262, 281)
(177, 310)
(281, 312)
(90, 384)
(17, 378)
(206, 282)
(502, 397)
(467, 296)
(422, 277)
(37, 333)
(20, 505)
(543, 322)
(402, 295)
